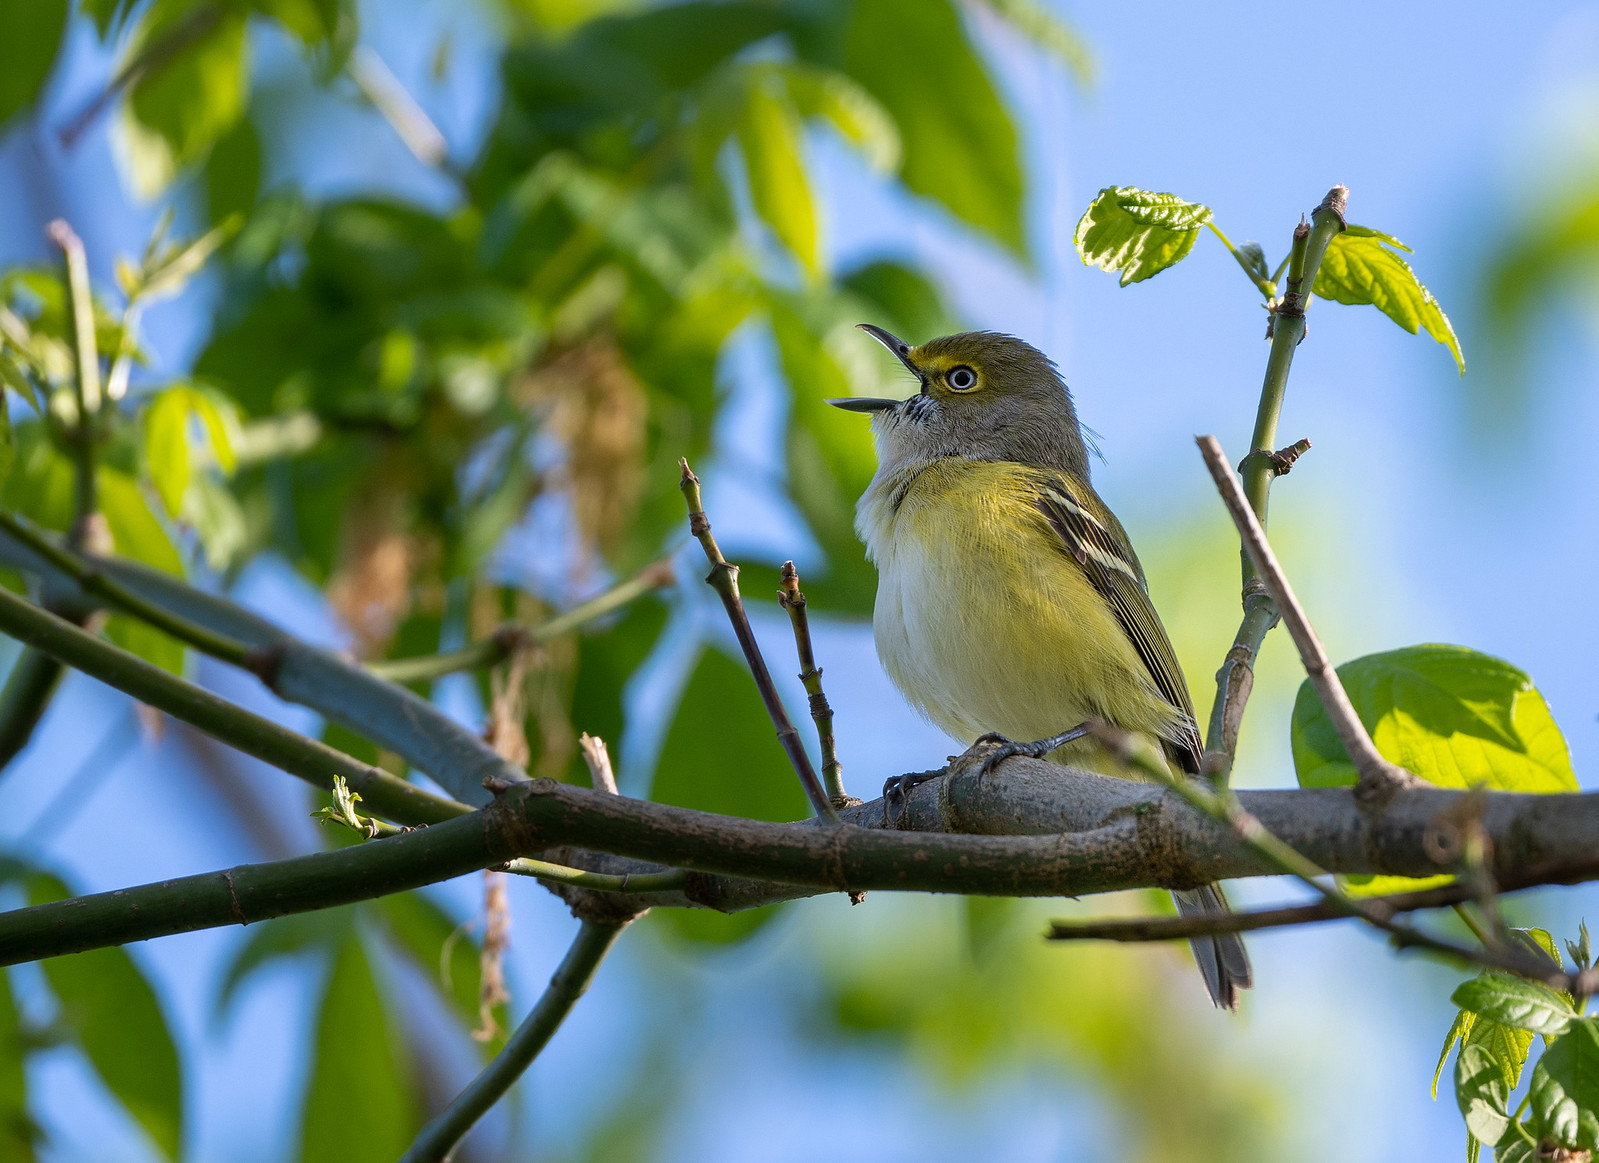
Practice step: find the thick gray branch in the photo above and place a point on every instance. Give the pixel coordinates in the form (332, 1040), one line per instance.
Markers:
(383, 712)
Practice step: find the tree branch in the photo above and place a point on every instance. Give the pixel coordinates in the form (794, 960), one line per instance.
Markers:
(389, 715)
(723, 578)
(1377, 776)
(94, 581)
(571, 981)
(1090, 834)
(314, 762)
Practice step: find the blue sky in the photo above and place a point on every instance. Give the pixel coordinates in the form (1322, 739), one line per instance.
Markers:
(1403, 525)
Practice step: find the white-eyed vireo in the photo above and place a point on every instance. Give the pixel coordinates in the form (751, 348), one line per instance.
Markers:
(1009, 600)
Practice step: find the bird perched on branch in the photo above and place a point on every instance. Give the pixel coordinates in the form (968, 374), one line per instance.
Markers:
(1011, 609)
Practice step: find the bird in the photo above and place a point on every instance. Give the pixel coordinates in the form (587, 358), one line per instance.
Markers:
(1011, 609)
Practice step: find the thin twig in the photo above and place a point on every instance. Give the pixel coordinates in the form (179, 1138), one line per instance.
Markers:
(151, 58)
(598, 758)
(723, 578)
(1223, 806)
(94, 581)
(571, 981)
(411, 124)
(792, 600)
(506, 640)
(635, 882)
(86, 383)
(1140, 929)
(1377, 775)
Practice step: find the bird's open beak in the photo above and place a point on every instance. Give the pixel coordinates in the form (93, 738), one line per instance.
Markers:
(903, 351)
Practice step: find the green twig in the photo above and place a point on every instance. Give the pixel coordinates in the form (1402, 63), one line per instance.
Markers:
(1266, 287)
(94, 581)
(85, 381)
(314, 762)
(510, 638)
(439, 1138)
(1235, 679)
(723, 578)
(637, 882)
(810, 674)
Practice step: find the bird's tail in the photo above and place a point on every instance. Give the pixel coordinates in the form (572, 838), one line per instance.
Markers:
(1222, 958)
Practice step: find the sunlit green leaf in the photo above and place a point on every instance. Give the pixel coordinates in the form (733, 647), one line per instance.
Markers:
(1565, 1087)
(136, 533)
(33, 31)
(1363, 266)
(959, 143)
(1514, 1001)
(14, 377)
(1453, 716)
(1481, 1092)
(116, 1020)
(176, 111)
(1515, 1149)
(359, 1100)
(769, 135)
(166, 446)
(1507, 1045)
(1458, 1029)
(1137, 232)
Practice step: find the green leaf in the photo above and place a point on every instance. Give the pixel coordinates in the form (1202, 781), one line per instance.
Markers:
(444, 951)
(177, 110)
(115, 1019)
(1137, 232)
(828, 94)
(1565, 1087)
(1458, 1029)
(1514, 1001)
(903, 299)
(1507, 1045)
(745, 772)
(1453, 716)
(359, 1102)
(136, 533)
(233, 172)
(770, 136)
(18, 1134)
(960, 146)
(1515, 1149)
(1034, 20)
(276, 940)
(1481, 1092)
(830, 462)
(1540, 941)
(8, 446)
(166, 447)
(33, 31)
(14, 377)
(1363, 266)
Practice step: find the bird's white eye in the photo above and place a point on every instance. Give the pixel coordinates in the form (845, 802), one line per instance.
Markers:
(961, 379)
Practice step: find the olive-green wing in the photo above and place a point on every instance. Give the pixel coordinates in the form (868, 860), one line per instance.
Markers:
(1096, 541)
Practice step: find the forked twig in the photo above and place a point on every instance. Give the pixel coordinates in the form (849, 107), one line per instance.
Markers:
(1378, 777)
(723, 578)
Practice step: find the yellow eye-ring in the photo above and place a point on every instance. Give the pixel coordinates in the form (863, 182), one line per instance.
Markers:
(961, 379)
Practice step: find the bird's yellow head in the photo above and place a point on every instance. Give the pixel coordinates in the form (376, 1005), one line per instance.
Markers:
(983, 395)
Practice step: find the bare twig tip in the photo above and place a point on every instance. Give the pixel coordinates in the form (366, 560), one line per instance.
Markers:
(1337, 200)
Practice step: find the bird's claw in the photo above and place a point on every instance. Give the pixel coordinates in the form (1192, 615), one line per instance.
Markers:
(900, 786)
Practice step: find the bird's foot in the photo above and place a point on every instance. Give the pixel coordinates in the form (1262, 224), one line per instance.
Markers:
(899, 786)
(1004, 748)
